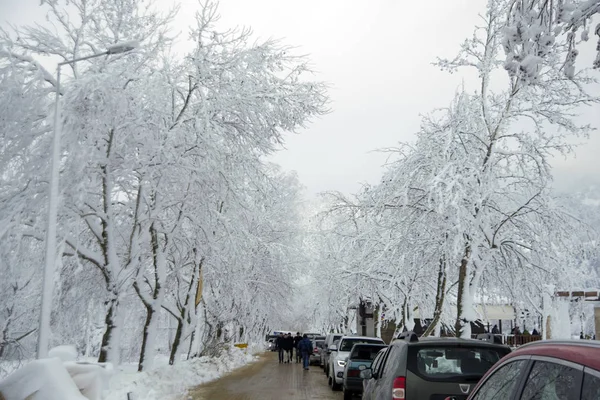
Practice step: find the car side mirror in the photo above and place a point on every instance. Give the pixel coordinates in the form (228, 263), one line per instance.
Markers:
(366, 373)
(333, 347)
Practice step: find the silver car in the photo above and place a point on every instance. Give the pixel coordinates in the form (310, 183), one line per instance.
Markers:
(315, 357)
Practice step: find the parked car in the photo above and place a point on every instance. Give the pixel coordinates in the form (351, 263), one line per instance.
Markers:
(315, 357)
(329, 339)
(271, 342)
(339, 353)
(360, 358)
(312, 336)
(430, 368)
(549, 369)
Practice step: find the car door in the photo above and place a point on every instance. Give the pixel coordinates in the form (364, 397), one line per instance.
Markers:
(503, 383)
(368, 383)
(551, 379)
(383, 383)
(591, 384)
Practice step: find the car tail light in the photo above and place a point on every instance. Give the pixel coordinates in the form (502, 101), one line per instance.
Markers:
(316, 350)
(353, 373)
(399, 388)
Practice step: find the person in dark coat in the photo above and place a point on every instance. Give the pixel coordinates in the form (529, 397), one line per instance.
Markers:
(495, 330)
(280, 346)
(305, 347)
(288, 346)
(297, 340)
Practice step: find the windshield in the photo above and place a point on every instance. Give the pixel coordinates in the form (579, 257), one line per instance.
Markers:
(449, 362)
(365, 352)
(335, 338)
(346, 344)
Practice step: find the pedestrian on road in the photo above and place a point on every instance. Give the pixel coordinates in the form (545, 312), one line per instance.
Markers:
(495, 329)
(280, 346)
(305, 347)
(297, 340)
(288, 345)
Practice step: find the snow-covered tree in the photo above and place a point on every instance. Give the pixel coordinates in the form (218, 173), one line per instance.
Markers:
(163, 182)
(539, 29)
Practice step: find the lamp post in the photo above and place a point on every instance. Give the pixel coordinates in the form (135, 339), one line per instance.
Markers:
(48, 277)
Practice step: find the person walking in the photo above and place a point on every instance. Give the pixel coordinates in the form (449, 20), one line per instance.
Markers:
(297, 340)
(305, 347)
(288, 345)
(280, 346)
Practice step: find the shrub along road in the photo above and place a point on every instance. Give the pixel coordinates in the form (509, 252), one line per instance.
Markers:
(266, 379)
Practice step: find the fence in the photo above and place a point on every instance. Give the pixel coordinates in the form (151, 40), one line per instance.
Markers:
(514, 340)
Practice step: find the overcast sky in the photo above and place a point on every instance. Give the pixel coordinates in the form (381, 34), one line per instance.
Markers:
(377, 56)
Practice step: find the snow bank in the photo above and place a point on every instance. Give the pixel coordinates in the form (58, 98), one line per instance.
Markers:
(45, 379)
(172, 382)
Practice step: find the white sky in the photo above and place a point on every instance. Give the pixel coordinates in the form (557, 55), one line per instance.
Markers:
(376, 55)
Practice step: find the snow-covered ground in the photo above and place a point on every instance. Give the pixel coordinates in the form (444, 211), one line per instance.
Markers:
(165, 382)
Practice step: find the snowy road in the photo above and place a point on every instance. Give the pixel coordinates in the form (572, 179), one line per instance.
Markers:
(269, 380)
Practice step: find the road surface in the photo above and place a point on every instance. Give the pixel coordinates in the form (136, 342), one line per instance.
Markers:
(266, 379)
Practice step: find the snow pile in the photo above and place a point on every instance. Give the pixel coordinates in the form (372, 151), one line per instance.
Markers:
(64, 353)
(45, 379)
(173, 381)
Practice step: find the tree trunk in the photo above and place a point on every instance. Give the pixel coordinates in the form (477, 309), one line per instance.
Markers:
(378, 320)
(176, 341)
(192, 337)
(149, 314)
(109, 332)
(463, 286)
(439, 298)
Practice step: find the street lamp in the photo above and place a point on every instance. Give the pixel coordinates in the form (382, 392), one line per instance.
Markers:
(48, 278)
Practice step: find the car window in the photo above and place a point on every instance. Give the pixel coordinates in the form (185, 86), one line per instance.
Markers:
(502, 383)
(348, 343)
(365, 352)
(551, 381)
(591, 387)
(451, 363)
(377, 362)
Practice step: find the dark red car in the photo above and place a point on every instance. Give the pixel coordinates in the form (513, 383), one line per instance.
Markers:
(544, 370)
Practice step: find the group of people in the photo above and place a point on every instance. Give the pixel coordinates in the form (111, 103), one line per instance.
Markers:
(285, 345)
(516, 331)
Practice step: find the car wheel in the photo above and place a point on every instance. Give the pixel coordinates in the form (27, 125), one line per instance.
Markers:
(334, 385)
(347, 395)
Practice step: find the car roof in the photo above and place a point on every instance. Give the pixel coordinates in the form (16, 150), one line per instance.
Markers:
(584, 352)
(360, 337)
(378, 345)
(453, 341)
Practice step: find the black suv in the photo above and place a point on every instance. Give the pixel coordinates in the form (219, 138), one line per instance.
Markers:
(429, 368)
